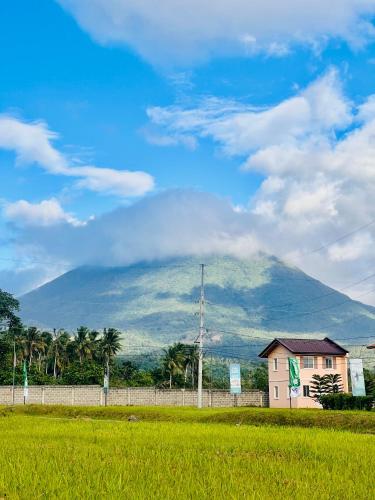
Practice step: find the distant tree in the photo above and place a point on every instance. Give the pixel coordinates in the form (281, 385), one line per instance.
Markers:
(82, 344)
(110, 345)
(9, 306)
(128, 369)
(259, 377)
(58, 351)
(173, 361)
(369, 376)
(87, 372)
(190, 356)
(32, 342)
(94, 341)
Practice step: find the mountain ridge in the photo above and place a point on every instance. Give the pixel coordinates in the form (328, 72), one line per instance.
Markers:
(155, 303)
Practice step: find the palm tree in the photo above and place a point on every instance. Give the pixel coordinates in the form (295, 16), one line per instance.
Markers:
(173, 361)
(32, 342)
(45, 339)
(82, 345)
(191, 356)
(94, 342)
(16, 335)
(110, 343)
(58, 350)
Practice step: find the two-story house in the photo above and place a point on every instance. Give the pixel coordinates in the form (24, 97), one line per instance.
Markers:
(319, 357)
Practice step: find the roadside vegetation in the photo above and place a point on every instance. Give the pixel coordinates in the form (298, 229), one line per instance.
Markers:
(70, 458)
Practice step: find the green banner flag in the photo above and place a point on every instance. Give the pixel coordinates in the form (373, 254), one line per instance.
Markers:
(294, 378)
(25, 382)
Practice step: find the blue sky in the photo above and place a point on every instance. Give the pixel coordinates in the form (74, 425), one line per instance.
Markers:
(189, 100)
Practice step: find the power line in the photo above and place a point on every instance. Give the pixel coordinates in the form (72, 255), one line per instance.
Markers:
(340, 238)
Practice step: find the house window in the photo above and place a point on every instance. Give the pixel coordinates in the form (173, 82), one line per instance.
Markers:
(328, 362)
(308, 362)
(275, 364)
(306, 391)
(276, 392)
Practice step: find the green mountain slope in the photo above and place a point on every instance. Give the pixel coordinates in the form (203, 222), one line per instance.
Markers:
(248, 302)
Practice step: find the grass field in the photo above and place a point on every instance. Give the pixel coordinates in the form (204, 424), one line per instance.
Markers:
(57, 457)
(355, 421)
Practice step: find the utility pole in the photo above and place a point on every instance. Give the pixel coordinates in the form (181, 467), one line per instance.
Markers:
(200, 339)
(14, 368)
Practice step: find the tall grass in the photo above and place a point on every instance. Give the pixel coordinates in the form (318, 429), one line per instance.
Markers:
(355, 421)
(68, 458)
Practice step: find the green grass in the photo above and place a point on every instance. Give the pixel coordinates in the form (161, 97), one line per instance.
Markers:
(354, 421)
(68, 458)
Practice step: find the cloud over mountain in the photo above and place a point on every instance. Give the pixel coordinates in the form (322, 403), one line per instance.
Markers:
(315, 153)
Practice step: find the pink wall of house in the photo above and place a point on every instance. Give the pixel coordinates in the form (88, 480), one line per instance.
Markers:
(278, 372)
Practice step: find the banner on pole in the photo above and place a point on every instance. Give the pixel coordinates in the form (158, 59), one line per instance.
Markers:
(357, 378)
(294, 378)
(235, 378)
(25, 382)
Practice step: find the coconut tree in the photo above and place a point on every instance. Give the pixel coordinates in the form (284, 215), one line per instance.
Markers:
(173, 361)
(45, 339)
(31, 343)
(82, 344)
(58, 350)
(190, 363)
(94, 342)
(110, 344)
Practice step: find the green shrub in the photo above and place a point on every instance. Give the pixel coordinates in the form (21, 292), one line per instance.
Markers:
(342, 401)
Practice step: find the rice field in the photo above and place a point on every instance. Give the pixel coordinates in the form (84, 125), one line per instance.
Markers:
(46, 457)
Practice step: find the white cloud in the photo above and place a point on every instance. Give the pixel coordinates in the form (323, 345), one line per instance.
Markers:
(316, 152)
(46, 213)
(164, 140)
(242, 129)
(108, 180)
(312, 201)
(359, 246)
(161, 226)
(196, 29)
(32, 143)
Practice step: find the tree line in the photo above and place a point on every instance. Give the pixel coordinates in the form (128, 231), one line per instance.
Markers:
(82, 357)
(60, 357)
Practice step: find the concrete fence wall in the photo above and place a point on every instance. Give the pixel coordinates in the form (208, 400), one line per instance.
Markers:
(92, 395)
